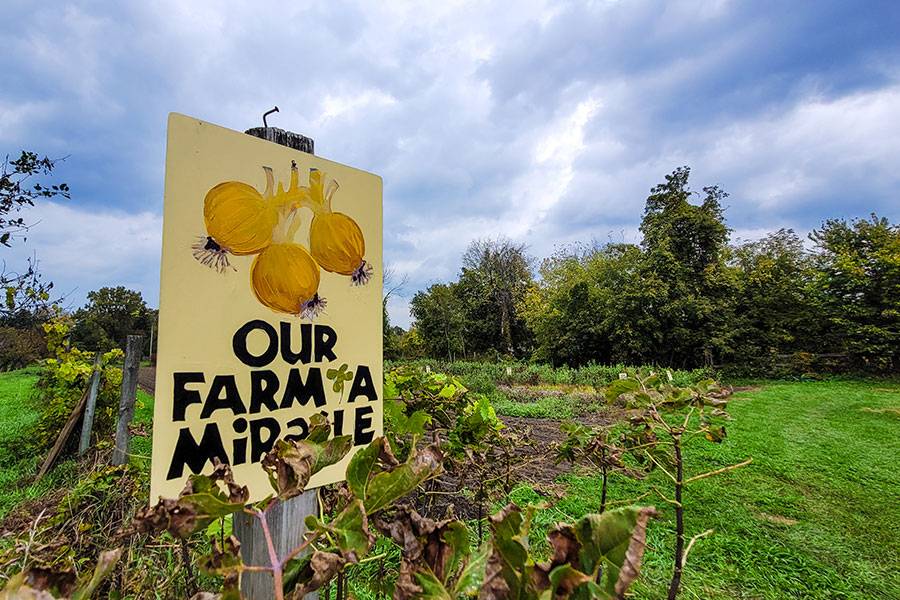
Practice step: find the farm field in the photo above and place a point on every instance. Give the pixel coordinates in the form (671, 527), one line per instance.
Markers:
(811, 517)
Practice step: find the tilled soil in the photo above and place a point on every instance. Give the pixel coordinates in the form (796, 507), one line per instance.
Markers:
(147, 379)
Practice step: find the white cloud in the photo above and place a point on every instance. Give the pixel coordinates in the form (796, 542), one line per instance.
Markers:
(82, 250)
(547, 122)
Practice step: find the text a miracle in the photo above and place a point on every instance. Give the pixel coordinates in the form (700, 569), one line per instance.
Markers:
(267, 396)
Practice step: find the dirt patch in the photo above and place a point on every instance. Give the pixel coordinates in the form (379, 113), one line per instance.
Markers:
(23, 517)
(532, 462)
(147, 379)
(778, 519)
(747, 388)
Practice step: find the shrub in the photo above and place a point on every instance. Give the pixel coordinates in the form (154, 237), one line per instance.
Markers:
(63, 381)
(20, 347)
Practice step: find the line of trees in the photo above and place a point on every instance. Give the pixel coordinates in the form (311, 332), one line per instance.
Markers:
(685, 297)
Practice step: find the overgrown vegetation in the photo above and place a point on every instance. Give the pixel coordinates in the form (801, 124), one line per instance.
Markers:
(64, 380)
(800, 505)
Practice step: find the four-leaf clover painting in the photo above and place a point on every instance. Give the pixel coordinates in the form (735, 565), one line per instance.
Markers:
(340, 377)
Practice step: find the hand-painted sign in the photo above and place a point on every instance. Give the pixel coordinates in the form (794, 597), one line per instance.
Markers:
(270, 304)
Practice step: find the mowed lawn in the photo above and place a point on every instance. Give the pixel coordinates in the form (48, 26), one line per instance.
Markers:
(816, 515)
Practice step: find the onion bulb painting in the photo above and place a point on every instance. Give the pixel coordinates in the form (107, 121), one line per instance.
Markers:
(270, 305)
(285, 273)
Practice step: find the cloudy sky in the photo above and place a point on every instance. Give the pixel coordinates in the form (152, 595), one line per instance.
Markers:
(546, 122)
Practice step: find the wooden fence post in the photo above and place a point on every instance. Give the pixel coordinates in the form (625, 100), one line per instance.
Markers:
(133, 347)
(286, 519)
(87, 423)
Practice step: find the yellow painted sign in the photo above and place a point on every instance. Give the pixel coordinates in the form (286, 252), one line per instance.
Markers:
(270, 304)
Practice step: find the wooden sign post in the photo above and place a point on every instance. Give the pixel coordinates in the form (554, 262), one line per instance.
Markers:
(286, 520)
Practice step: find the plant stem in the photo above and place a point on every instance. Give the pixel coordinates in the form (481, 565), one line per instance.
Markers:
(604, 473)
(603, 492)
(480, 511)
(719, 471)
(273, 556)
(190, 583)
(679, 520)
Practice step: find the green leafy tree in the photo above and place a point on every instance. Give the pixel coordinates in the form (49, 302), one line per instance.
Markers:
(27, 299)
(110, 315)
(410, 344)
(440, 321)
(859, 282)
(685, 247)
(594, 305)
(776, 304)
(495, 276)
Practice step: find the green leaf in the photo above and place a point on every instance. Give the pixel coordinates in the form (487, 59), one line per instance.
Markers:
(390, 389)
(564, 579)
(456, 536)
(386, 487)
(361, 466)
(319, 428)
(472, 574)
(350, 531)
(621, 386)
(510, 559)
(432, 587)
(606, 540)
(401, 424)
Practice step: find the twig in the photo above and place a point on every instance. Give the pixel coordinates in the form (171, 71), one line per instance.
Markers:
(190, 582)
(371, 558)
(31, 533)
(256, 568)
(661, 495)
(656, 462)
(273, 556)
(691, 544)
(717, 471)
(628, 500)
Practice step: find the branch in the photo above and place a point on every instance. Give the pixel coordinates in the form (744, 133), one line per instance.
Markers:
(629, 500)
(656, 462)
(717, 471)
(273, 556)
(661, 495)
(691, 544)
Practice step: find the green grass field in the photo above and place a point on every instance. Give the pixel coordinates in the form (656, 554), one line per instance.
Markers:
(814, 515)
(17, 413)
